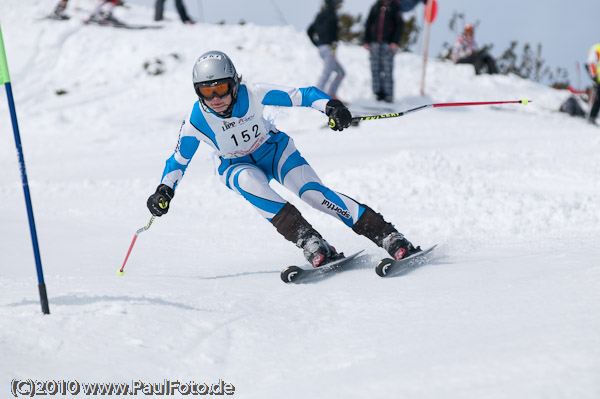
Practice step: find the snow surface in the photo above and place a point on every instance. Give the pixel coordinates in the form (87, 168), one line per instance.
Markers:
(509, 308)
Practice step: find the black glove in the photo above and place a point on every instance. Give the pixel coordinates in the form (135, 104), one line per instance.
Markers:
(339, 116)
(159, 202)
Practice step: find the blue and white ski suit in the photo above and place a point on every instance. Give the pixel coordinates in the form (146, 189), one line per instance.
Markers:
(253, 152)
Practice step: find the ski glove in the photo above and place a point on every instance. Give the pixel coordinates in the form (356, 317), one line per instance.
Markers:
(159, 202)
(339, 115)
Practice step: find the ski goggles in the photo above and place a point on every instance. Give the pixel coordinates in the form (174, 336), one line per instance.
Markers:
(219, 88)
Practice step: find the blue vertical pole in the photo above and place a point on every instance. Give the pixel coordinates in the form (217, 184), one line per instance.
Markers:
(5, 79)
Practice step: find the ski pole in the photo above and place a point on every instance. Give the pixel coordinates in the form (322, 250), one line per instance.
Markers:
(121, 271)
(422, 107)
(5, 80)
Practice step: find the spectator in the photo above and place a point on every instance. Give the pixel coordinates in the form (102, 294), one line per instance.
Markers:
(159, 8)
(593, 66)
(383, 31)
(59, 11)
(102, 13)
(466, 51)
(323, 32)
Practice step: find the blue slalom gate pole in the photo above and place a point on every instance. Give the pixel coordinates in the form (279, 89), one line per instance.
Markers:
(5, 80)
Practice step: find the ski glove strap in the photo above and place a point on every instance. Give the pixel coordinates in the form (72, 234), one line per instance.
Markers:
(339, 115)
(158, 203)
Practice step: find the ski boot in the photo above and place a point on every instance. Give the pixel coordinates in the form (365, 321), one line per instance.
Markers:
(317, 251)
(398, 247)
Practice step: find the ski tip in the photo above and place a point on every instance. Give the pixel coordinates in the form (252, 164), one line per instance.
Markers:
(382, 267)
(386, 265)
(290, 273)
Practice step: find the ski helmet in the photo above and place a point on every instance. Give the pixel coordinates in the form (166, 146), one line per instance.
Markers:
(215, 71)
(469, 29)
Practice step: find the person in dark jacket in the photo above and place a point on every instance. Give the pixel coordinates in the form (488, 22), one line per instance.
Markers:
(323, 33)
(383, 31)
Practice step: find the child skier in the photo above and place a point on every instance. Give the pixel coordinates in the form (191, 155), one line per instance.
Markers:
(228, 116)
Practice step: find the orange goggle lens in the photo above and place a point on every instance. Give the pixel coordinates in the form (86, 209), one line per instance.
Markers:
(219, 90)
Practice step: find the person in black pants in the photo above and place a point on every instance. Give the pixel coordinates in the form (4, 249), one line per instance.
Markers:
(159, 8)
(383, 31)
(382, 35)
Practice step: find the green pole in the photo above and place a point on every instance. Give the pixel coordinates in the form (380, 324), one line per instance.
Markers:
(4, 76)
(5, 80)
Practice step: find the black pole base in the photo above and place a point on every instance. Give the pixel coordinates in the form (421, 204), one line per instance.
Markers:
(44, 298)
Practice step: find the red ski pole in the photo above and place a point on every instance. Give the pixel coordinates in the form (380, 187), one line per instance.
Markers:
(422, 107)
(121, 271)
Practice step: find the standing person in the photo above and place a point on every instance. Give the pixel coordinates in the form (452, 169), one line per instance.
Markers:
(159, 8)
(228, 117)
(466, 51)
(323, 33)
(59, 11)
(593, 67)
(383, 31)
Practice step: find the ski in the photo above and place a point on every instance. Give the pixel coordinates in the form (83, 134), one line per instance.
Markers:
(296, 274)
(121, 25)
(387, 267)
(55, 17)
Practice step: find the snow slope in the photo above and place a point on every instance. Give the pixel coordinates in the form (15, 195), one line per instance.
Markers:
(509, 308)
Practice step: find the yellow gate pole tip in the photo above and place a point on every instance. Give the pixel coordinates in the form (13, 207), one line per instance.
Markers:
(524, 101)
(120, 272)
